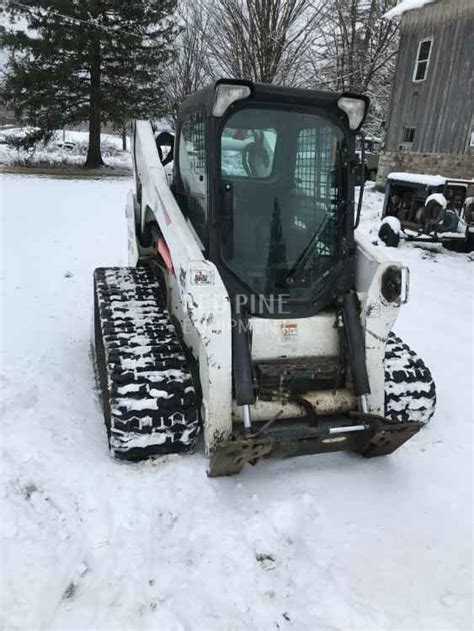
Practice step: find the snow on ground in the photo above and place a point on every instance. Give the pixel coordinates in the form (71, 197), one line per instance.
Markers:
(64, 149)
(315, 543)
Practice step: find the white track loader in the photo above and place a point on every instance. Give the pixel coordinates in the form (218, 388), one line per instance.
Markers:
(250, 308)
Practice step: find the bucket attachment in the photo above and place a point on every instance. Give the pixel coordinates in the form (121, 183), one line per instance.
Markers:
(367, 434)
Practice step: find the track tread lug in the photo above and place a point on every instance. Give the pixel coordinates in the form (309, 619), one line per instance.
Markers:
(149, 400)
(410, 392)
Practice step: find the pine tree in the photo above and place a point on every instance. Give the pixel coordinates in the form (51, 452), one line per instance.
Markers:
(94, 60)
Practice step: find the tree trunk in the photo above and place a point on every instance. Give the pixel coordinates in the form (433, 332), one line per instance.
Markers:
(94, 155)
(124, 137)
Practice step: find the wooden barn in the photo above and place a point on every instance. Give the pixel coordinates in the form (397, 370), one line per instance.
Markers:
(430, 128)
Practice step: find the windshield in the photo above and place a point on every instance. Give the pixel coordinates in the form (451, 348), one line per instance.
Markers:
(282, 189)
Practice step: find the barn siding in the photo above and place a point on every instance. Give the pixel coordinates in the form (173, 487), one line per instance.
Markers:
(441, 107)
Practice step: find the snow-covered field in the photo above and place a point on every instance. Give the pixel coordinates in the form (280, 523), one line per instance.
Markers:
(332, 542)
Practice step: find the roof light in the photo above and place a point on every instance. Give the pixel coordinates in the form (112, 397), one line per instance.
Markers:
(226, 94)
(355, 108)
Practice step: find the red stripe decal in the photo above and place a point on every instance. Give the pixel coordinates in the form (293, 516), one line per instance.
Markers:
(165, 254)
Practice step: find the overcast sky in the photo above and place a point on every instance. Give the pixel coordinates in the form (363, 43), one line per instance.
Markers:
(4, 22)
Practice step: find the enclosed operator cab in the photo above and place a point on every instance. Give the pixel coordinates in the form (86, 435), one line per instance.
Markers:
(263, 175)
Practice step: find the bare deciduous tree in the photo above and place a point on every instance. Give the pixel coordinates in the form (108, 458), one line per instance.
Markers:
(191, 69)
(340, 45)
(356, 51)
(262, 40)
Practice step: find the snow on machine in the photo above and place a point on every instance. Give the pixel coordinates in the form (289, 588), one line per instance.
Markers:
(428, 209)
(249, 308)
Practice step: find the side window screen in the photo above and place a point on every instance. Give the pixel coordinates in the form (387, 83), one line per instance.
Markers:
(422, 60)
(193, 172)
(315, 163)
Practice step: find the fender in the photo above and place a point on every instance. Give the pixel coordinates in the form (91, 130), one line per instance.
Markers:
(198, 297)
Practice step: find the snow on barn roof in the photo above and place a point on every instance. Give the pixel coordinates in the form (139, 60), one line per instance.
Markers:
(405, 5)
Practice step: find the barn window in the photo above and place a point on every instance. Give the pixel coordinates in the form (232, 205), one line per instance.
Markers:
(422, 60)
(409, 135)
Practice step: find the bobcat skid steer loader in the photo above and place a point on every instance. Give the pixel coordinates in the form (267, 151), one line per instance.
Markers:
(250, 309)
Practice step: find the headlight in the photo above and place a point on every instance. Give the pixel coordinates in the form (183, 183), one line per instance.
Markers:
(394, 286)
(226, 94)
(356, 109)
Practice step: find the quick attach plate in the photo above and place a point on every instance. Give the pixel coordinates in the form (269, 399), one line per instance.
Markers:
(372, 436)
(231, 456)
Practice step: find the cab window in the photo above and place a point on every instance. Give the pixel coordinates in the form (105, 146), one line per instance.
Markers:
(247, 152)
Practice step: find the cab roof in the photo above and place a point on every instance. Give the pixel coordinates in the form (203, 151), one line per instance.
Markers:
(261, 92)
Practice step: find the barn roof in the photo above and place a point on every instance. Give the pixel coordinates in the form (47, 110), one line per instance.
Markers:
(404, 6)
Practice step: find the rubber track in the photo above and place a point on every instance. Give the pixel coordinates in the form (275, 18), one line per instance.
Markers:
(410, 392)
(148, 396)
